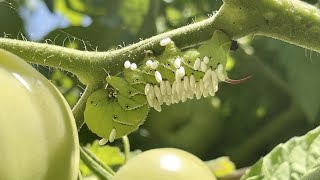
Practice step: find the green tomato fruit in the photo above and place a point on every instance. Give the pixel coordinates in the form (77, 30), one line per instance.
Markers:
(38, 135)
(164, 163)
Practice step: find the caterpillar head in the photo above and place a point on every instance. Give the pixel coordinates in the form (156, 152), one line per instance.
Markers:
(114, 117)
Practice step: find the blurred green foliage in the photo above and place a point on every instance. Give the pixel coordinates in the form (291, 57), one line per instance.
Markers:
(243, 121)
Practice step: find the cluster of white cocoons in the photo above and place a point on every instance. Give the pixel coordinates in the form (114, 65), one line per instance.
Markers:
(184, 87)
(128, 64)
(112, 137)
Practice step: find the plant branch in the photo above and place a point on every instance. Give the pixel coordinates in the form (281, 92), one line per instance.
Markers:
(292, 21)
(91, 67)
(94, 166)
(97, 160)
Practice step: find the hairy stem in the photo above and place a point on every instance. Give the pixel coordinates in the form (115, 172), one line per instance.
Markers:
(292, 21)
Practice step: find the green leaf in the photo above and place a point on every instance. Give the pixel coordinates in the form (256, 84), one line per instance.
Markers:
(314, 174)
(288, 161)
(302, 71)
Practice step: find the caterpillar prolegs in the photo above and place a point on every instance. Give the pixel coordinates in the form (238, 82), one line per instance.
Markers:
(169, 78)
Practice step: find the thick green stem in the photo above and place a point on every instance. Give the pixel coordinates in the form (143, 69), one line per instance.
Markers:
(97, 160)
(94, 166)
(292, 21)
(289, 20)
(92, 67)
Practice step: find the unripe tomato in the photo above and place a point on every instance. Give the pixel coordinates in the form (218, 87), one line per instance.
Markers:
(38, 134)
(164, 164)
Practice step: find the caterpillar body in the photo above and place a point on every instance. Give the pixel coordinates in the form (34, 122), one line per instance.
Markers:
(169, 78)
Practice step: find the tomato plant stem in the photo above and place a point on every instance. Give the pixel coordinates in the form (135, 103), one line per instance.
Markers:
(292, 21)
(95, 165)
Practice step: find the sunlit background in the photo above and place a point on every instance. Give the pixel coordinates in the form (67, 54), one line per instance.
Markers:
(243, 121)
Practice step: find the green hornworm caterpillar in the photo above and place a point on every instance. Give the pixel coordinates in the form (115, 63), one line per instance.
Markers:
(169, 78)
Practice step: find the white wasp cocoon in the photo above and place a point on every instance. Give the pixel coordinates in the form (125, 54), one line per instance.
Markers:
(177, 75)
(192, 82)
(168, 87)
(175, 98)
(184, 96)
(173, 88)
(103, 141)
(197, 63)
(157, 105)
(203, 66)
(201, 84)
(190, 94)
(168, 100)
(165, 41)
(127, 64)
(186, 83)
(163, 88)
(151, 92)
(207, 75)
(133, 66)
(179, 86)
(205, 92)
(207, 78)
(147, 89)
(214, 78)
(177, 62)
(154, 65)
(219, 73)
(150, 101)
(158, 93)
(158, 76)
(149, 63)
(198, 91)
(206, 59)
(112, 135)
(181, 72)
(211, 91)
